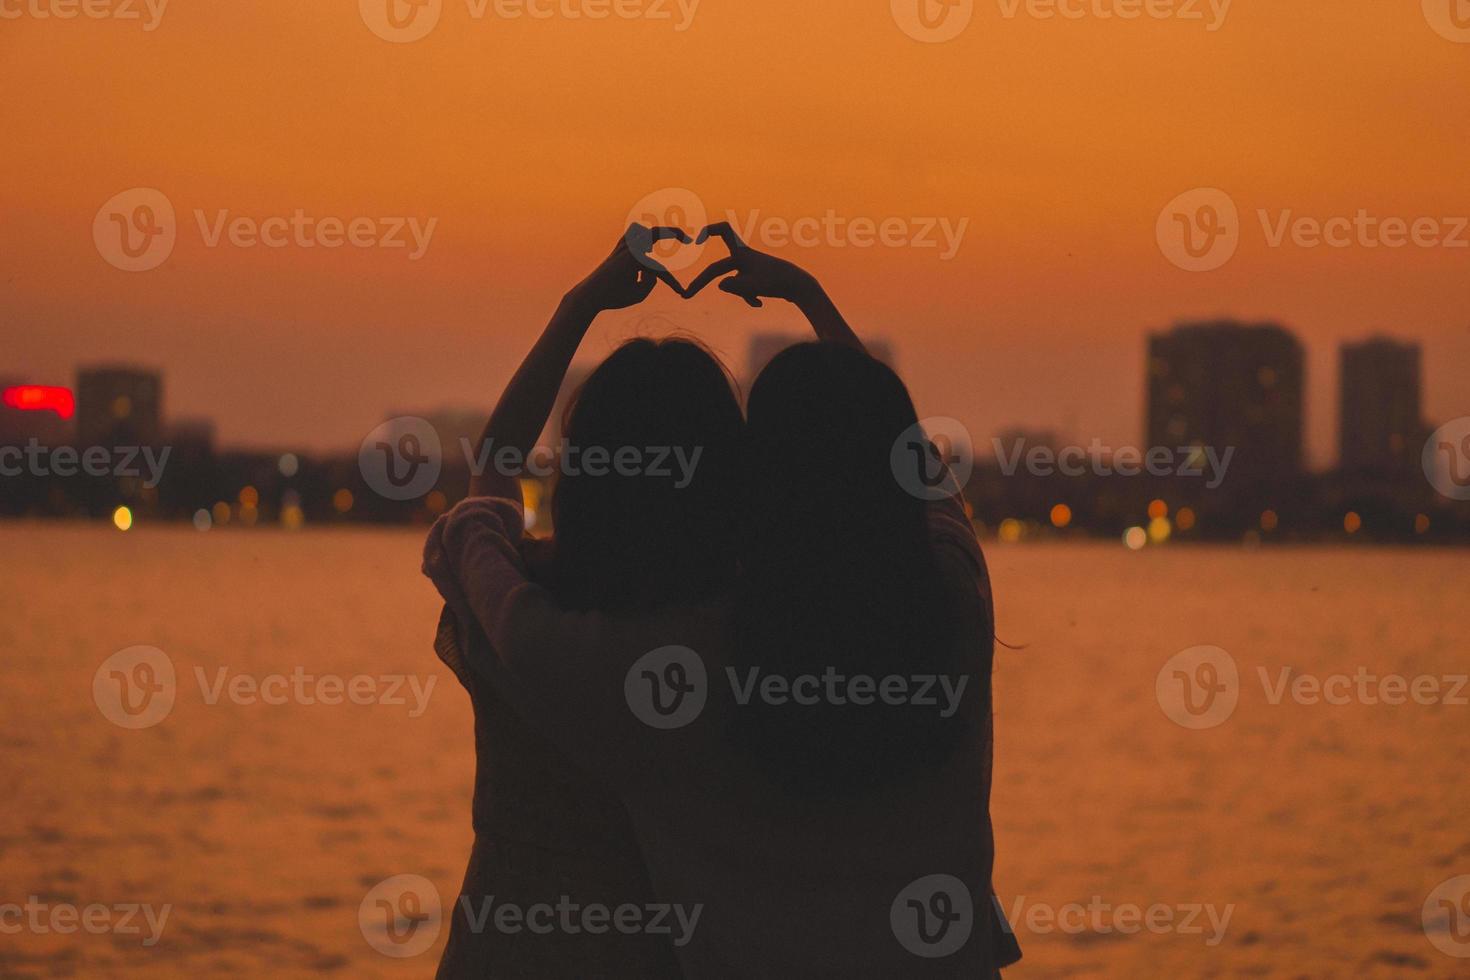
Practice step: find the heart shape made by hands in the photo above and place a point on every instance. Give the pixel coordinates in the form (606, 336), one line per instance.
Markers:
(643, 242)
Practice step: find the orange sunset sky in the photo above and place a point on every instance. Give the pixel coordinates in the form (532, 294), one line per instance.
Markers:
(1059, 139)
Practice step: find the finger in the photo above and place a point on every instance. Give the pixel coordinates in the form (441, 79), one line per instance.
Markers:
(665, 232)
(721, 268)
(638, 239)
(659, 270)
(736, 288)
(721, 230)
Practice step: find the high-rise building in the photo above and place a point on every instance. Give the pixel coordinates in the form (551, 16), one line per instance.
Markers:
(119, 406)
(1228, 385)
(1381, 428)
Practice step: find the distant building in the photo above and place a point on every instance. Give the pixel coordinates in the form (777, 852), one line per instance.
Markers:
(1230, 385)
(1381, 428)
(194, 436)
(119, 406)
(45, 413)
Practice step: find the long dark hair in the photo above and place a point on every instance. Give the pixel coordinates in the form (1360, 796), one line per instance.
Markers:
(632, 542)
(838, 573)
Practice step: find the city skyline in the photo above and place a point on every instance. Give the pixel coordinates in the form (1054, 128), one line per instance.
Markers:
(460, 415)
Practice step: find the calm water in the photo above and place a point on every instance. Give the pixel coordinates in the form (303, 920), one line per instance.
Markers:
(1322, 828)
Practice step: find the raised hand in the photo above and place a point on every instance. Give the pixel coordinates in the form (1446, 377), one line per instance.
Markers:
(629, 274)
(756, 273)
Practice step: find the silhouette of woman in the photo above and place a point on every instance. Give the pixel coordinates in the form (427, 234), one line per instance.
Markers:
(547, 831)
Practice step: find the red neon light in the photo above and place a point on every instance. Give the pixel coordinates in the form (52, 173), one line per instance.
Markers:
(40, 398)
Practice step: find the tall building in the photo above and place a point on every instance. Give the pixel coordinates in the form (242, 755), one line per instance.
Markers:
(1227, 385)
(1381, 428)
(119, 406)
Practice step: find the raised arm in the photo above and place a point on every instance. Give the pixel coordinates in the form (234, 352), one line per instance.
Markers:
(624, 278)
(758, 274)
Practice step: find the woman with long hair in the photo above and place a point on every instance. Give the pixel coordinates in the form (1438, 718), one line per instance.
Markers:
(549, 834)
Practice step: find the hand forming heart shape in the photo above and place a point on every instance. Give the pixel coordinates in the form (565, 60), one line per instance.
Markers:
(756, 274)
